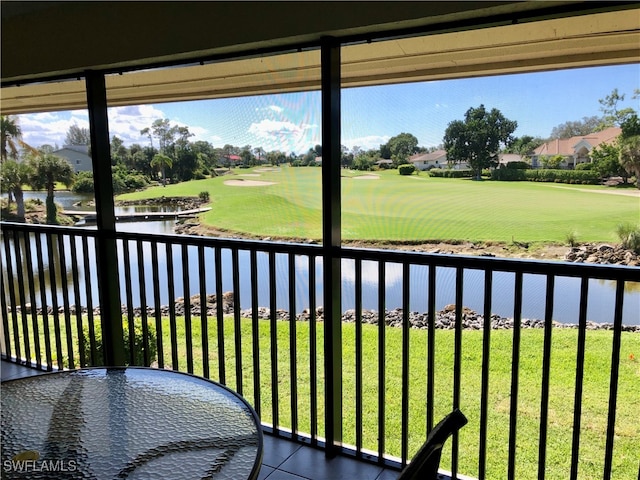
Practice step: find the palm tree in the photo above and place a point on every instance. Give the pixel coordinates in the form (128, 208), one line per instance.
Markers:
(13, 175)
(11, 138)
(162, 161)
(47, 170)
(10, 135)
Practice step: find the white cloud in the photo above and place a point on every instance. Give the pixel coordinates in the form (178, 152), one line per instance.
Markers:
(199, 133)
(283, 135)
(126, 122)
(273, 108)
(393, 273)
(49, 128)
(43, 116)
(366, 143)
(266, 128)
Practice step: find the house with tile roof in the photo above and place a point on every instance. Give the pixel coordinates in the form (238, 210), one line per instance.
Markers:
(574, 150)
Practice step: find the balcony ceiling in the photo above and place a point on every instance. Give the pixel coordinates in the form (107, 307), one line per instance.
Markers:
(140, 34)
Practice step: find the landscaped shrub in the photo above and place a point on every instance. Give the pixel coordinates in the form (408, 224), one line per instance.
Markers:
(406, 169)
(571, 238)
(200, 174)
(136, 181)
(584, 166)
(138, 344)
(450, 173)
(127, 181)
(629, 236)
(580, 177)
(508, 175)
(204, 196)
(518, 165)
(83, 183)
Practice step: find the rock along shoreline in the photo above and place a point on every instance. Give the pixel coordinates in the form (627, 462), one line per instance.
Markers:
(445, 319)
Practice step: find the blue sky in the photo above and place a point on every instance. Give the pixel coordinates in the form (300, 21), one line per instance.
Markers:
(371, 115)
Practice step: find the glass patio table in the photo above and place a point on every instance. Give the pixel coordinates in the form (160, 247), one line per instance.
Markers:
(112, 423)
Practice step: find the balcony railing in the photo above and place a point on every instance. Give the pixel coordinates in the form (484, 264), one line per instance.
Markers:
(401, 370)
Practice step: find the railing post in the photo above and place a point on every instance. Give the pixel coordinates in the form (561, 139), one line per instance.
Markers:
(331, 240)
(106, 255)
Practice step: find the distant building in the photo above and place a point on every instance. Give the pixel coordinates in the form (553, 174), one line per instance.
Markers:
(230, 160)
(384, 163)
(425, 161)
(574, 150)
(505, 158)
(77, 156)
(435, 159)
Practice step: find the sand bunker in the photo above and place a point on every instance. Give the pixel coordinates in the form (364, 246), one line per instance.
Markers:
(266, 170)
(366, 177)
(247, 183)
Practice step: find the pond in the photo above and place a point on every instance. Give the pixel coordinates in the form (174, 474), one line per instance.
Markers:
(566, 294)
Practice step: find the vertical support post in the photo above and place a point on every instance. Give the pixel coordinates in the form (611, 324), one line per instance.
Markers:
(106, 256)
(331, 242)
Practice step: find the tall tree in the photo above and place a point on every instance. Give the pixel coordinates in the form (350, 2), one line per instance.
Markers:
(260, 154)
(164, 132)
(247, 156)
(276, 157)
(185, 165)
(629, 141)
(524, 145)
(613, 115)
(630, 156)
(401, 147)
(576, 128)
(13, 175)
(384, 151)
(119, 153)
(478, 138)
(162, 162)
(77, 136)
(346, 157)
(47, 170)
(605, 160)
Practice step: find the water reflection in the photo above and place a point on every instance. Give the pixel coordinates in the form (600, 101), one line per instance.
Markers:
(46, 270)
(566, 293)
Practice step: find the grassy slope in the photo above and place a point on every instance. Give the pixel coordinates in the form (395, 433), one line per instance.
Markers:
(562, 384)
(412, 208)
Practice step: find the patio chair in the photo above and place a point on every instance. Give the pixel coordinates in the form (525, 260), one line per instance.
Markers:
(424, 465)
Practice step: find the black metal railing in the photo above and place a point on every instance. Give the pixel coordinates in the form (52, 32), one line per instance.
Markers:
(174, 292)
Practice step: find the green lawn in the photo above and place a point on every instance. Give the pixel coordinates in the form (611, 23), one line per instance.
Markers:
(416, 208)
(595, 396)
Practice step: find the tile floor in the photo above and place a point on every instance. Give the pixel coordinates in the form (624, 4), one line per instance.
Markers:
(282, 459)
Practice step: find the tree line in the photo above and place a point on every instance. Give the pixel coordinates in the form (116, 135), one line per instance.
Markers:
(171, 155)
